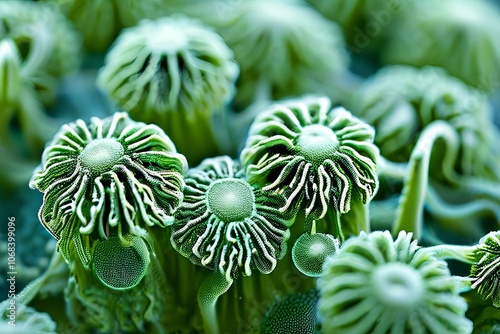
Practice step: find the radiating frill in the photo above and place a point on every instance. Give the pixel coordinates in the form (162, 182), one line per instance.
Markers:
(375, 284)
(176, 73)
(321, 158)
(284, 48)
(294, 313)
(101, 21)
(233, 229)
(110, 177)
(485, 272)
(225, 224)
(470, 29)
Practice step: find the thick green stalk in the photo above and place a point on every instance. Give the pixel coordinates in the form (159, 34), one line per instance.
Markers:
(209, 292)
(409, 216)
(465, 254)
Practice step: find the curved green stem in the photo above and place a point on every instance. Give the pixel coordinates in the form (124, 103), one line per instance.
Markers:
(465, 254)
(210, 290)
(409, 216)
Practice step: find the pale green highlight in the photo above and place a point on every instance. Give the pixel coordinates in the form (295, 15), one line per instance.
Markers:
(231, 200)
(100, 155)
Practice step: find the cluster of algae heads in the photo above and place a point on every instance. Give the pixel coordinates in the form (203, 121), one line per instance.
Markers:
(334, 211)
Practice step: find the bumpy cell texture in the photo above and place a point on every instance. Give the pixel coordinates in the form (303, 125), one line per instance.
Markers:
(318, 156)
(121, 264)
(295, 313)
(485, 273)
(282, 46)
(109, 177)
(311, 250)
(227, 225)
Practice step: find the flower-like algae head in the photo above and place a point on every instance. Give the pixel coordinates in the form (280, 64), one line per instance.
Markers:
(227, 225)
(318, 156)
(121, 263)
(174, 72)
(472, 26)
(48, 44)
(294, 313)
(169, 65)
(113, 176)
(375, 284)
(311, 250)
(399, 101)
(486, 272)
(282, 45)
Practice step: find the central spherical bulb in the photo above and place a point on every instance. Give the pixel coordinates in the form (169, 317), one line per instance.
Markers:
(231, 200)
(317, 143)
(398, 285)
(101, 155)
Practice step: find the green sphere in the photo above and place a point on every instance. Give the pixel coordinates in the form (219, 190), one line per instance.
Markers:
(310, 252)
(119, 265)
(231, 200)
